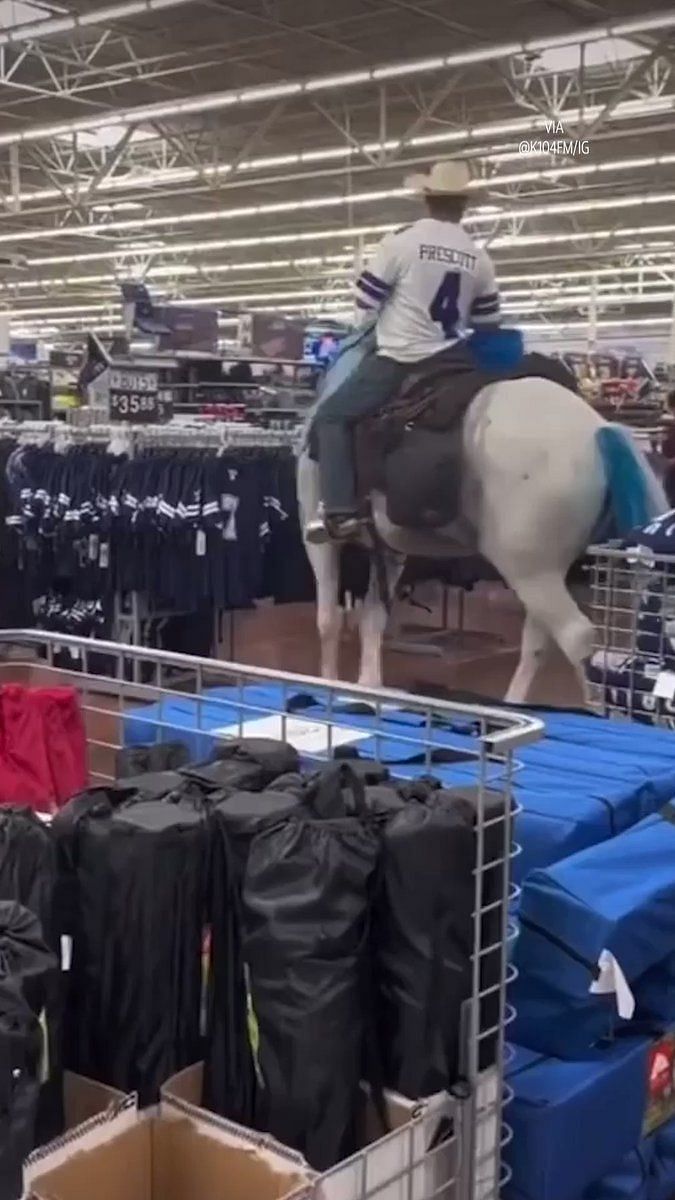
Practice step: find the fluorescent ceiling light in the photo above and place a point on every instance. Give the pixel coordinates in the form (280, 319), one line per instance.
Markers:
(341, 264)
(409, 68)
(645, 24)
(352, 234)
(346, 79)
(317, 202)
(512, 300)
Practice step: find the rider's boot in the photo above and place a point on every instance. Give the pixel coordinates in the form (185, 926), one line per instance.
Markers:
(335, 527)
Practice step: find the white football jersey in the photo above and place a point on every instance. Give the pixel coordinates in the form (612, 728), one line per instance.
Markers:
(429, 285)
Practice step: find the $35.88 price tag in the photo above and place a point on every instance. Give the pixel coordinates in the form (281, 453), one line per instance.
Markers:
(138, 406)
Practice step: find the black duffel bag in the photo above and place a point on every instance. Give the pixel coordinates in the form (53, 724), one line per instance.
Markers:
(28, 876)
(137, 874)
(306, 907)
(425, 935)
(229, 1076)
(27, 970)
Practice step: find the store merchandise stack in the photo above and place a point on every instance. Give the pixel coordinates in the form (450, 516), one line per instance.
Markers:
(593, 1066)
(291, 934)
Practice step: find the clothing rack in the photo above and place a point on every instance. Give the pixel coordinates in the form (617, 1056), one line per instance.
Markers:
(217, 435)
(131, 617)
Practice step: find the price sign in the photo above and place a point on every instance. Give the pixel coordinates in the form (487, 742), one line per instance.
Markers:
(135, 396)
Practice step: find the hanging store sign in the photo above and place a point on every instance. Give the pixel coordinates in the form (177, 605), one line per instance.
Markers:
(136, 397)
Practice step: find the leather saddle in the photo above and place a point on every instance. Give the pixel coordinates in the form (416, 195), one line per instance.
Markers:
(411, 451)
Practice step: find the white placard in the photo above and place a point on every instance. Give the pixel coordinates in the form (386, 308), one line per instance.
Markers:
(664, 688)
(308, 737)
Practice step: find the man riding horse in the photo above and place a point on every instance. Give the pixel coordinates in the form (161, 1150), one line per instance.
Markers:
(427, 285)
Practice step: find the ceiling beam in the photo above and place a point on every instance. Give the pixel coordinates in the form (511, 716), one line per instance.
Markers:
(345, 80)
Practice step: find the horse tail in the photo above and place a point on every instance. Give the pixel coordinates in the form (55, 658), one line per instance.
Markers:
(635, 494)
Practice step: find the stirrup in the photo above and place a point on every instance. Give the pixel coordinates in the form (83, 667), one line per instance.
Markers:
(324, 529)
(316, 532)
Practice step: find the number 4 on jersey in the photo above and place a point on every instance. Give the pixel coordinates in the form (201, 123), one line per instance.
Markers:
(443, 307)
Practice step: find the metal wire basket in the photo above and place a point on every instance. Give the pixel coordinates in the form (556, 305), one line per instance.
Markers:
(632, 670)
(130, 694)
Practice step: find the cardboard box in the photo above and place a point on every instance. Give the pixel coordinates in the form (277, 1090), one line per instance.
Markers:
(85, 1098)
(411, 1156)
(165, 1153)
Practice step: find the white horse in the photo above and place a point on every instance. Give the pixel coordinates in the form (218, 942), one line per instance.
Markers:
(534, 487)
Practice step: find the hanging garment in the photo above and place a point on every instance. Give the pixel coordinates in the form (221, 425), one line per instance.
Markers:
(230, 1075)
(27, 970)
(425, 935)
(137, 871)
(192, 529)
(306, 909)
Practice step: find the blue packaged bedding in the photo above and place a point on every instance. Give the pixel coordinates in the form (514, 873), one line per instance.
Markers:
(617, 898)
(662, 1162)
(586, 781)
(572, 1121)
(646, 1173)
(630, 1180)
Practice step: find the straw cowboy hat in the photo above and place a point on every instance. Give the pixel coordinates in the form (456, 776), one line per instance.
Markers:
(450, 177)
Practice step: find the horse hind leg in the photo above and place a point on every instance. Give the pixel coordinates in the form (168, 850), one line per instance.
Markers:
(549, 605)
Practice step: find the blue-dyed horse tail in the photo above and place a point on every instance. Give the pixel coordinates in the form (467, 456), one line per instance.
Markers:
(635, 494)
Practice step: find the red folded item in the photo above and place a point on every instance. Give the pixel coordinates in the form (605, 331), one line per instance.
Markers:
(43, 750)
(66, 741)
(25, 774)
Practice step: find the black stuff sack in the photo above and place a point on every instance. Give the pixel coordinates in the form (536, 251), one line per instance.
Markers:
(273, 756)
(232, 774)
(28, 876)
(28, 866)
(370, 771)
(160, 756)
(229, 1076)
(425, 935)
(153, 785)
(244, 764)
(135, 986)
(27, 969)
(306, 907)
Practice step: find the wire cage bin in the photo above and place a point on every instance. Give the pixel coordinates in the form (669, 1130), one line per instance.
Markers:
(448, 1146)
(631, 672)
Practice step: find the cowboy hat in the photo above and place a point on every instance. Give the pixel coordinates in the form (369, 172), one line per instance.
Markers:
(450, 177)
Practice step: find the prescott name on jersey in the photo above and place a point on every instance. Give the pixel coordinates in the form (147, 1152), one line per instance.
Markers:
(429, 284)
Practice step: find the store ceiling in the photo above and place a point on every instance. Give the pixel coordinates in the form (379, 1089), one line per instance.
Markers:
(243, 154)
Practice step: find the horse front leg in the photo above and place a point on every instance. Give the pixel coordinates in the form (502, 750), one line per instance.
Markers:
(373, 624)
(325, 564)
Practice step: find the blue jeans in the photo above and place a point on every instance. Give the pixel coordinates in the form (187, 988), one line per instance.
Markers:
(375, 381)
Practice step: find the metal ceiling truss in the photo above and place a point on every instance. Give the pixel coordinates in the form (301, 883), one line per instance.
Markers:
(381, 122)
